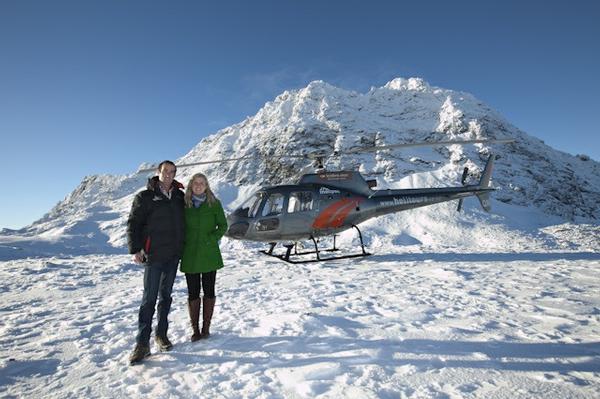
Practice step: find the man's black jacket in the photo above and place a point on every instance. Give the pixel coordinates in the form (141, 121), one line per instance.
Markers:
(157, 223)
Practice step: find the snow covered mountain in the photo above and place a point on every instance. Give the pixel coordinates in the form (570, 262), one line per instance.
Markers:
(544, 196)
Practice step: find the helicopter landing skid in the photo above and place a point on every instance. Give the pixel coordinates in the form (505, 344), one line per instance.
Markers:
(288, 254)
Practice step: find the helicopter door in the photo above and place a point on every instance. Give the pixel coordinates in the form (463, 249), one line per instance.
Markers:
(300, 201)
(269, 215)
(299, 207)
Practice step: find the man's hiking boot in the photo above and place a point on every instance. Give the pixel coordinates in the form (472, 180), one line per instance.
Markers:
(139, 353)
(163, 343)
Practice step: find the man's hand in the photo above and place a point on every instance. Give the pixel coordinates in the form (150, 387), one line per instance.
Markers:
(139, 257)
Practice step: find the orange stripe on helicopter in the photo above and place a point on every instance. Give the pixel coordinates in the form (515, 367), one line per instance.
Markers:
(335, 214)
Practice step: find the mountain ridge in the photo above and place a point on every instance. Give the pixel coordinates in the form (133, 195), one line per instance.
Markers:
(324, 118)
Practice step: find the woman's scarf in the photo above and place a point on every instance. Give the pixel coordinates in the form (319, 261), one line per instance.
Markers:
(197, 200)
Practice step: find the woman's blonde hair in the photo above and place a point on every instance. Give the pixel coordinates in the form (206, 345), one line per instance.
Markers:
(210, 197)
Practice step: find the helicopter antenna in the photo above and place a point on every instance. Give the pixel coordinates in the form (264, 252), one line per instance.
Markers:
(319, 163)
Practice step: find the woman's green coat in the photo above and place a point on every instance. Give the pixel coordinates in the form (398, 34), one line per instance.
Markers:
(204, 227)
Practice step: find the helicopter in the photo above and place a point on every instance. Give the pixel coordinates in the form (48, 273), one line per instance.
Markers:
(326, 203)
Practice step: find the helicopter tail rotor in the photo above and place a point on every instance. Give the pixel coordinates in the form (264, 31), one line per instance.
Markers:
(463, 180)
(484, 184)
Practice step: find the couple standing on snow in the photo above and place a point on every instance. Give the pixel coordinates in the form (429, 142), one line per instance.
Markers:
(164, 226)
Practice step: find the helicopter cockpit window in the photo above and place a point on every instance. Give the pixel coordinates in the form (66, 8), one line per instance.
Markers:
(300, 201)
(250, 207)
(273, 205)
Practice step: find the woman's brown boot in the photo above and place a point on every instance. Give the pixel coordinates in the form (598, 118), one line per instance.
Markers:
(194, 310)
(207, 313)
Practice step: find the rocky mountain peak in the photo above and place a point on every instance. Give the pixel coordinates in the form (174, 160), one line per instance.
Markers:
(322, 118)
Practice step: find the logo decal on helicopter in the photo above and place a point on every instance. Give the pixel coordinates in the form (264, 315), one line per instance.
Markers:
(325, 191)
(407, 200)
(335, 214)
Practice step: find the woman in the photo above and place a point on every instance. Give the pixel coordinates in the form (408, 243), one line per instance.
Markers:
(205, 224)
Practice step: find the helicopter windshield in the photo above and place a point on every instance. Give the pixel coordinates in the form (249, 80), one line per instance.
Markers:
(269, 204)
(250, 207)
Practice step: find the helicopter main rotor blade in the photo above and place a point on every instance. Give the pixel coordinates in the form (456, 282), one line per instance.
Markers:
(423, 144)
(321, 155)
(184, 165)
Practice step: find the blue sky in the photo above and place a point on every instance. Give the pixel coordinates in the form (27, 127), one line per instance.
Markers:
(94, 87)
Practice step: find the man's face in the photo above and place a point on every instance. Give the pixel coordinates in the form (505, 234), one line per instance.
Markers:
(167, 174)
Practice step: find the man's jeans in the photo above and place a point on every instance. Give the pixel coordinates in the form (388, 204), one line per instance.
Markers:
(158, 282)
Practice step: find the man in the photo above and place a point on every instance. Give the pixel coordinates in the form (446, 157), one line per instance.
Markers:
(155, 235)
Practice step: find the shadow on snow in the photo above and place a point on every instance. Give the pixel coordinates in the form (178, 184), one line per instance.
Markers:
(498, 355)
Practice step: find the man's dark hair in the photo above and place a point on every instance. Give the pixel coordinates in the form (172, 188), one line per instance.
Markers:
(167, 162)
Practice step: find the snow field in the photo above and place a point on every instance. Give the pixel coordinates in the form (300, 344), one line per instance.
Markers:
(378, 327)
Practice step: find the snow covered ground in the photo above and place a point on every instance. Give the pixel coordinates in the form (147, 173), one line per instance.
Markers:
(452, 305)
(418, 325)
